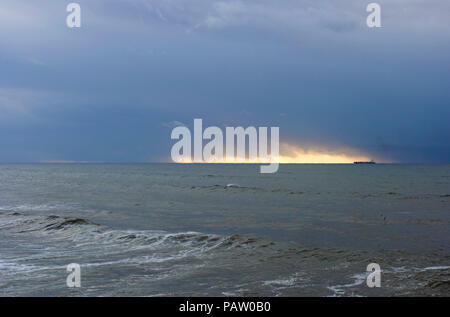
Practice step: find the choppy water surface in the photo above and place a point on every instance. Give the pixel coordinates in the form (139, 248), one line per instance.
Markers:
(224, 230)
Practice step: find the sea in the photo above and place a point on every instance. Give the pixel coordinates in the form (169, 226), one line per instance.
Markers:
(224, 230)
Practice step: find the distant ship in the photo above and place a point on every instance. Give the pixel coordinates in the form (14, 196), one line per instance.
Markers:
(362, 162)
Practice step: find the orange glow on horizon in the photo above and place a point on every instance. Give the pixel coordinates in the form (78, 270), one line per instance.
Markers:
(319, 155)
(293, 154)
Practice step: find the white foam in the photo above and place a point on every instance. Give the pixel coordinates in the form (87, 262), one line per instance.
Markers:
(436, 268)
(339, 289)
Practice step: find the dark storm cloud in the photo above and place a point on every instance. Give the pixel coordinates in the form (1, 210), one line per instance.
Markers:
(107, 91)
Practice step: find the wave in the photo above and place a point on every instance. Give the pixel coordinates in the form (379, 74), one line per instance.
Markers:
(232, 187)
(400, 196)
(82, 230)
(274, 267)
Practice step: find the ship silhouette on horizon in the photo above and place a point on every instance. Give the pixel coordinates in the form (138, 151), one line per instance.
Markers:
(365, 162)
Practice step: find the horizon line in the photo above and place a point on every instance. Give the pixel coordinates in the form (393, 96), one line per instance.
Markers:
(211, 163)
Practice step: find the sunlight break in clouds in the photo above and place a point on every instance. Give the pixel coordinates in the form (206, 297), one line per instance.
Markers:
(294, 154)
(319, 155)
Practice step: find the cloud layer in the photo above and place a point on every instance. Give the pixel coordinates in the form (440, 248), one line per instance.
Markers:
(110, 90)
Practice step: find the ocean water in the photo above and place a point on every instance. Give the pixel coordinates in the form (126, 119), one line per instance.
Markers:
(224, 230)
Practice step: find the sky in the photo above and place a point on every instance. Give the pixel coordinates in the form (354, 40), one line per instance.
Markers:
(112, 90)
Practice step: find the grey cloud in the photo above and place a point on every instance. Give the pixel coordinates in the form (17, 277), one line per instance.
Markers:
(292, 15)
(311, 67)
(173, 124)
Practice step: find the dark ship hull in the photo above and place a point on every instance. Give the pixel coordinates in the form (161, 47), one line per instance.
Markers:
(371, 162)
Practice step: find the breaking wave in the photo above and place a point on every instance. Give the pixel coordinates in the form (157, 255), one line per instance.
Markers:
(235, 262)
